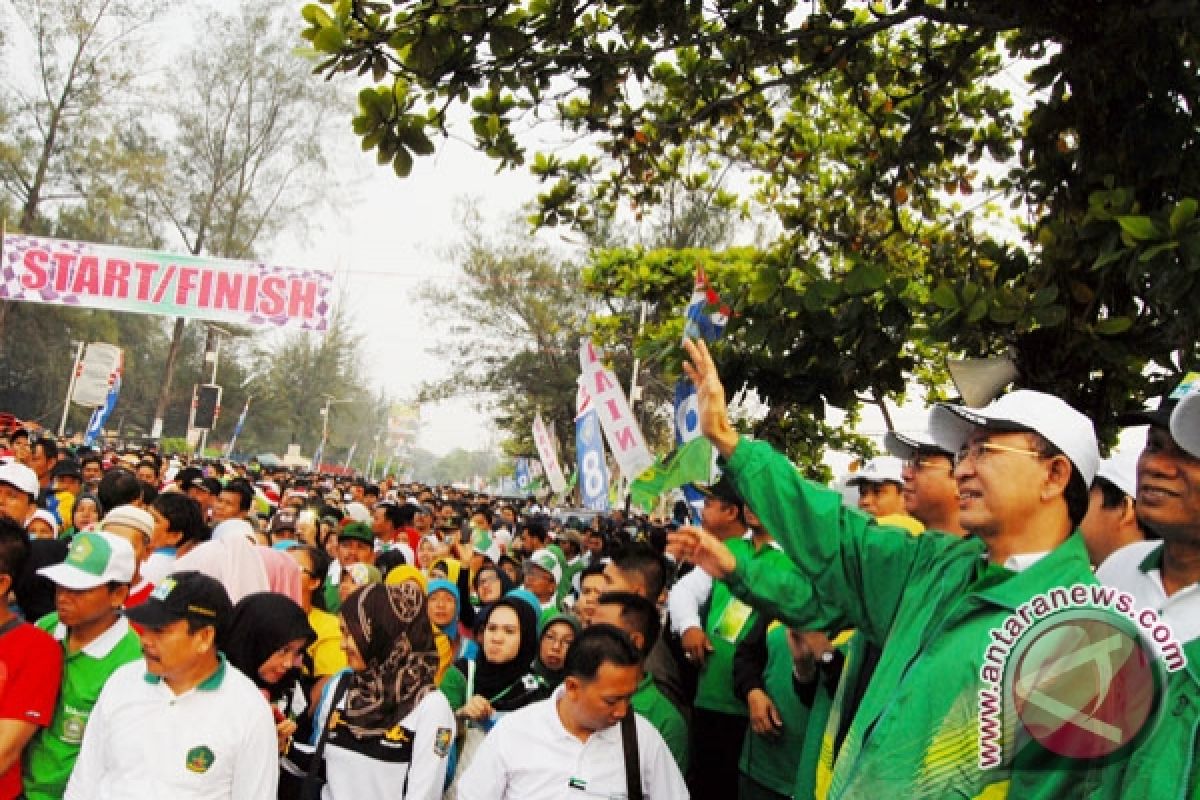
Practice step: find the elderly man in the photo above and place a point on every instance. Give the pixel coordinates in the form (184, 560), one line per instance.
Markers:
(931, 602)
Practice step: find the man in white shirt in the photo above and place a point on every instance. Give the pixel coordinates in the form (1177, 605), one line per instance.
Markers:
(571, 744)
(180, 723)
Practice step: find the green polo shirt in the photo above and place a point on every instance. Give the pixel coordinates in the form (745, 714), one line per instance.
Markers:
(52, 752)
(660, 712)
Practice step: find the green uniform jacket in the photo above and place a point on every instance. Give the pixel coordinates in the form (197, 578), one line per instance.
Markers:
(1164, 765)
(916, 733)
(651, 703)
(773, 761)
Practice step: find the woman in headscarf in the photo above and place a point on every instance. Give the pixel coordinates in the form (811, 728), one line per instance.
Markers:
(266, 641)
(491, 583)
(428, 553)
(501, 677)
(393, 730)
(557, 636)
(444, 609)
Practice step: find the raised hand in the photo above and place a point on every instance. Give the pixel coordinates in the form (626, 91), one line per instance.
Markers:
(710, 397)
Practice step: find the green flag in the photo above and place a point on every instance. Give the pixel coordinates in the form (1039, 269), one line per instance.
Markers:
(691, 463)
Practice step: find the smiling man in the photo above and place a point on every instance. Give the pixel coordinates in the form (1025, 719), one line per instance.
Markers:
(1164, 575)
(930, 602)
(91, 586)
(571, 743)
(181, 723)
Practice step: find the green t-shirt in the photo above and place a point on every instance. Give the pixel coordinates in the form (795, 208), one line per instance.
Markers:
(726, 624)
(651, 703)
(52, 752)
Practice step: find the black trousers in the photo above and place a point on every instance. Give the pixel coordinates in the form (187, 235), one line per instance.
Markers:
(716, 748)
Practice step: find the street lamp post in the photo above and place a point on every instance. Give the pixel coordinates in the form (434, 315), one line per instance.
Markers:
(329, 401)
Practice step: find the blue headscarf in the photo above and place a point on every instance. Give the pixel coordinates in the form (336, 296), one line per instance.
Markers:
(439, 584)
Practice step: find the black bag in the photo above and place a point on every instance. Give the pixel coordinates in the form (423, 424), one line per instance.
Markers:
(301, 768)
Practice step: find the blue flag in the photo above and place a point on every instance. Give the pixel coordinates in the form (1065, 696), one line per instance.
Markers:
(100, 415)
(704, 318)
(589, 455)
(522, 473)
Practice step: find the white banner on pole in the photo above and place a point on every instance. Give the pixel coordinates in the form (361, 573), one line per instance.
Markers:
(624, 436)
(545, 446)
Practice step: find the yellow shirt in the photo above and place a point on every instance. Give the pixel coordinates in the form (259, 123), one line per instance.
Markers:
(327, 655)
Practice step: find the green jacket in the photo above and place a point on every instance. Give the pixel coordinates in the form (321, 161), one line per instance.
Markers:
(1165, 764)
(651, 703)
(930, 603)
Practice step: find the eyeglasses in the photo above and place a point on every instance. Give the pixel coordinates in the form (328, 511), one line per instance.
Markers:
(976, 450)
(565, 641)
(917, 464)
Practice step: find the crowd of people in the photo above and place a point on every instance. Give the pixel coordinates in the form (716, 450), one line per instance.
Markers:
(223, 630)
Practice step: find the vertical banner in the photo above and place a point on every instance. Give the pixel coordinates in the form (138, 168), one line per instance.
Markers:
(545, 447)
(624, 436)
(237, 429)
(589, 454)
(521, 473)
(704, 318)
(100, 415)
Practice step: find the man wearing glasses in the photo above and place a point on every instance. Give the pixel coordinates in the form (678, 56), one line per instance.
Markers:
(931, 602)
(930, 489)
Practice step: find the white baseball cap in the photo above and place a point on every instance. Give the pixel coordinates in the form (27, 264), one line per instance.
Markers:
(1185, 424)
(1120, 469)
(906, 446)
(1022, 410)
(879, 470)
(544, 559)
(21, 477)
(94, 559)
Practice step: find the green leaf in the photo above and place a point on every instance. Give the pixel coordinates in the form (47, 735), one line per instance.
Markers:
(1045, 296)
(329, 40)
(945, 297)
(1183, 213)
(1139, 227)
(315, 15)
(1151, 252)
(403, 162)
(1113, 325)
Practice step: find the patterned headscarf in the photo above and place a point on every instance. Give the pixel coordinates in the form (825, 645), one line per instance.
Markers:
(392, 632)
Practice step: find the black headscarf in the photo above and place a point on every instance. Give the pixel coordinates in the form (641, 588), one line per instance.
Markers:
(491, 679)
(261, 624)
(391, 629)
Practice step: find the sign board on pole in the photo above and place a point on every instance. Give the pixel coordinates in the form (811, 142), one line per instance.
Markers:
(97, 373)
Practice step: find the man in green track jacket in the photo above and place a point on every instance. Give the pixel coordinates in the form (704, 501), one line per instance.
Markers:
(935, 604)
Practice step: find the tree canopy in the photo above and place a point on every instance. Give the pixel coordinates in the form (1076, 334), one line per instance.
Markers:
(947, 177)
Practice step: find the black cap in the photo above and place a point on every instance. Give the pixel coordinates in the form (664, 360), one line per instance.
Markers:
(67, 468)
(722, 490)
(283, 521)
(1160, 416)
(192, 596)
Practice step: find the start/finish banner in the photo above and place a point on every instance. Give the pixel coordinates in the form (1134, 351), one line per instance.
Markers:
(82, 274)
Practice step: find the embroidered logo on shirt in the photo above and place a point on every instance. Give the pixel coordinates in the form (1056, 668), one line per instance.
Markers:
(200, 759)
(441, 742)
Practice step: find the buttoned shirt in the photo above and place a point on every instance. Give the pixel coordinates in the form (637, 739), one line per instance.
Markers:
(143, 741)
(530, 755)
(1137, 568)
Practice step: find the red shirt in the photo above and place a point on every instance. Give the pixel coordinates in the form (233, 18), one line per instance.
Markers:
(30, 672)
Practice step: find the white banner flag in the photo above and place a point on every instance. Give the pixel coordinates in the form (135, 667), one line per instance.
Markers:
(545, 446)
(624, 437)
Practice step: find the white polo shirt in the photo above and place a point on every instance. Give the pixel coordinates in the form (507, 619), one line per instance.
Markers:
(216, 741)
(529, 755)
(1137, 568)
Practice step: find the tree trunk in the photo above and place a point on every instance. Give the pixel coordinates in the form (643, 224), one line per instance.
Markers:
(164, 394)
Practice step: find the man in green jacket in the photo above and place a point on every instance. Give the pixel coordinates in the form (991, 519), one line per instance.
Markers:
(934, 603)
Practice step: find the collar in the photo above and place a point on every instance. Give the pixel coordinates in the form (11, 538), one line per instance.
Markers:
(1153, 560)
(103, 644)
(1023, 561)
(552, 704)
(209, 684)
(1064, 565)
(646, 682)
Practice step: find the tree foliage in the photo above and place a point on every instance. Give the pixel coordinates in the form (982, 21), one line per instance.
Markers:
(221, 152)
(925, 208)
